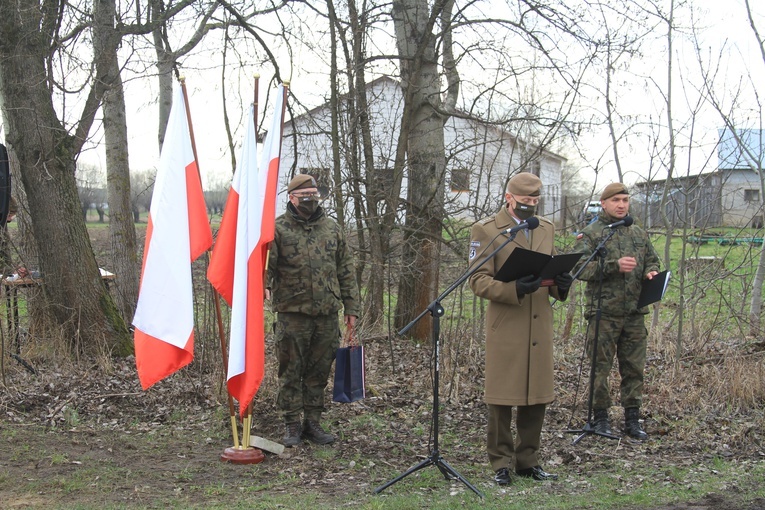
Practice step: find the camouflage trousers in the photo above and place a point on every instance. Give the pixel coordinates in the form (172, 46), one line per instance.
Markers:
(627, 339)
(306, 346)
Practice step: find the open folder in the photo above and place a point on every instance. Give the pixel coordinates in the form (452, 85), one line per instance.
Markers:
(653, 290)
(522, 262)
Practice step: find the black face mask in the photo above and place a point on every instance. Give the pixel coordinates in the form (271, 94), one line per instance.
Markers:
(307, 206)
(523, 211)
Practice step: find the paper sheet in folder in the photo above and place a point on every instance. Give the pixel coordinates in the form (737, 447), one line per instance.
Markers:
(522, 262)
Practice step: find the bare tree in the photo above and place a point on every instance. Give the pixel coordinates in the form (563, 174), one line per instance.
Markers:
(124, 250)
(421, 149)
(90, 187)
(141, 189)
(736, 114)
(31, 38)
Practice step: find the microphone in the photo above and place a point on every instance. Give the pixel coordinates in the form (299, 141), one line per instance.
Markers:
(626, 222)
(530, 224)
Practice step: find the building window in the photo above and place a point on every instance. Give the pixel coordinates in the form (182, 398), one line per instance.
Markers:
(460, 181)
(751, 195)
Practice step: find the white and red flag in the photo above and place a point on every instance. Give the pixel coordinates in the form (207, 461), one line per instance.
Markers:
(178, 232)
(238, 264)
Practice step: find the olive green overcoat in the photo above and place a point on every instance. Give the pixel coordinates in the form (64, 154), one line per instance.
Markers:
(519, 332)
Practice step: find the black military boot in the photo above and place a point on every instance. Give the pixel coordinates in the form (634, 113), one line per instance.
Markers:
(313, 432)
(601, 425)
(632, 424)
(291, 434)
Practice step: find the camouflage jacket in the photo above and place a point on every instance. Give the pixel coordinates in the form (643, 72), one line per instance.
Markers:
(620, 290)
(310, 267)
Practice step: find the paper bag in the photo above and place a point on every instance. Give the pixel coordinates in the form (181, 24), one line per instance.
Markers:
(349, 373)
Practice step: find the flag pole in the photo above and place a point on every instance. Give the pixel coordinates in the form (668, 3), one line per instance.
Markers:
(218, 314)
(268, 249)
(222, 336)
(247, 418)
(286, 85)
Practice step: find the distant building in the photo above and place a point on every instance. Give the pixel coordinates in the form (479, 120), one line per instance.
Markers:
(730, 196)
(480, 157)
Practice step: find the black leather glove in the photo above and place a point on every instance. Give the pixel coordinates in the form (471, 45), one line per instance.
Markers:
(563, 281)
(527, 284)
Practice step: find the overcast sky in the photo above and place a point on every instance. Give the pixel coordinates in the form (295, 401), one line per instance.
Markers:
(725, 26)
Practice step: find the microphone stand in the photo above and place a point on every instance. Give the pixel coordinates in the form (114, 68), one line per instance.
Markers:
(599, 252)
(437, 311)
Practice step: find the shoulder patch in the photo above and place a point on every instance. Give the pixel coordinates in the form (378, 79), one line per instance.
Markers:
(474, 245)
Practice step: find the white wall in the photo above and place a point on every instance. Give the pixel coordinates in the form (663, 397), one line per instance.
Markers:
(490, 155)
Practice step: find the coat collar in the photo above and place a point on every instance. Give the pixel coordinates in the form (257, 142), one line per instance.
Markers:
(504, 220)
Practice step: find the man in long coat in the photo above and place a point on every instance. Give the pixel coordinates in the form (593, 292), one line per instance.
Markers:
(519, 332)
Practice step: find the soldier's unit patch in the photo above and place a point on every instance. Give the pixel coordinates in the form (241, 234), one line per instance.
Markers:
(474, 245)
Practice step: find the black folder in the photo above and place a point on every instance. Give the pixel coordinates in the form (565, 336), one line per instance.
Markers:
(653, 290)
(522, 262)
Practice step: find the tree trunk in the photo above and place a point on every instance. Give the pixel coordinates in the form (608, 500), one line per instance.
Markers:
(165, 63)
(426, 161)
(121, 228)
(380, 189)
(80, 305)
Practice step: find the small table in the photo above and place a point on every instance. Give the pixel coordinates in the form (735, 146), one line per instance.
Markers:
(12, 283)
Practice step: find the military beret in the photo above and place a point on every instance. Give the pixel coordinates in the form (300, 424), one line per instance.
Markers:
(615, 188)
(524, 184)
(301, 181)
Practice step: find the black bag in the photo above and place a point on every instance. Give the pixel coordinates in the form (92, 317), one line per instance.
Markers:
(349, 371)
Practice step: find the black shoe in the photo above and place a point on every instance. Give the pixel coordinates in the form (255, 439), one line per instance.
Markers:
(537, 473)
(601, 425)
(291, 434)
(632, 424)
(502, 476)
(313, 432)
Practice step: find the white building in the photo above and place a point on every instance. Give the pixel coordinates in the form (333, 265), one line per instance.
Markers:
(480, 157)
(740, 162)
(730, 196)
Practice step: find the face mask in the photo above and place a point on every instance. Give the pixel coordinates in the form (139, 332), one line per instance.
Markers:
(307, 206)
(523, 211)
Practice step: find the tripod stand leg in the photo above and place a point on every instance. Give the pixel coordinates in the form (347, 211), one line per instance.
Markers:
(446, 468)
(587, 430)
(435, 459)
(425, 463)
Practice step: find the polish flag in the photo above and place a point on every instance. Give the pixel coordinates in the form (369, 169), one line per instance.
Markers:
(178, 232)
(238, 263)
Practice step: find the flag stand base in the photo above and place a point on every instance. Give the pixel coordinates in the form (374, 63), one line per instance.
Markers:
(242, 455)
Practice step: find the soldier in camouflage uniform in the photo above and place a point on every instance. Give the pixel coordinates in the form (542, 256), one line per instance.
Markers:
(311, 277)
(629, 259)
